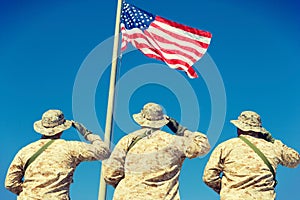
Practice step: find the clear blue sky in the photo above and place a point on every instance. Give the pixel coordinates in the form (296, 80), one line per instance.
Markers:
(56, 54)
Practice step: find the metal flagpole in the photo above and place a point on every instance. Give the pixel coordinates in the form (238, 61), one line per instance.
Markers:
(110, 103)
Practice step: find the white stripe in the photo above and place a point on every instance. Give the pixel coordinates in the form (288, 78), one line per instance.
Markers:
(169, 56)
(147, 51)
(142, 41)
(176, 40)
(165, 46)
(162, 34)
(183, 33)
(168, 46)
(166, 55)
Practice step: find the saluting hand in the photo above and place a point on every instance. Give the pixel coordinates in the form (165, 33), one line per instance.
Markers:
(82, 130)
(175, 126)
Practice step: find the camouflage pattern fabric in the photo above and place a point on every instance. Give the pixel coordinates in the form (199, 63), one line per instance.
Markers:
(50, 175)
(151, 168)
(244, 174)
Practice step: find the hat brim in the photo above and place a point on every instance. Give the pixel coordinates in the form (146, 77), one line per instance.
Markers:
(246, 127)
(38, 127)
(138, 118)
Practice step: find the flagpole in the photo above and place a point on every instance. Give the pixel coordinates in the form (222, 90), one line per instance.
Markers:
(111, 94)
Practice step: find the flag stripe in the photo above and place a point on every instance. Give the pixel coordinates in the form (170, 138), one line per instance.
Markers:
(178, 36)
(189, 70)
(164, 44)
(166, 54)
(203, 34)
(143, 41)
(165, 38)
(173, 60)
(173, 63)
(177, 52)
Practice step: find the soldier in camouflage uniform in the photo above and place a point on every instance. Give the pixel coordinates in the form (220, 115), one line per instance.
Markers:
(236, 172)
(145, 164)
(49, 176)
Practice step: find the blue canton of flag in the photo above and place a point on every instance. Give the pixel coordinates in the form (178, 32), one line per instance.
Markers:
(133, 17)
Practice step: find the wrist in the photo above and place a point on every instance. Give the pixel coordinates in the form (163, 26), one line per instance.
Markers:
(92, 137)
(86, 133)
(180, 130)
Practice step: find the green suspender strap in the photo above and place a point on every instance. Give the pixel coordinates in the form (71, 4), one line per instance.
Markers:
(34, 156)
(138, 138)
(135, 140)
(261, 155)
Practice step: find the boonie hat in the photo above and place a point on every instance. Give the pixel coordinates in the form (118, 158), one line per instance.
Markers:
(52, 122)
(151, 116)
(249, 121)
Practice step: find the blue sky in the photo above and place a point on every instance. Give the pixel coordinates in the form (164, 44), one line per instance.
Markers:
(56, 54)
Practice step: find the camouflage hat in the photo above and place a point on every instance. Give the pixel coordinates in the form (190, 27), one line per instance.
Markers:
(249, 121)
(52, 122)
(151, 116)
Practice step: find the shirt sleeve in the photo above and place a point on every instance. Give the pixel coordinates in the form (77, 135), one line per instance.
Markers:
(113, 167)
(213, 170)
(15, 173)
(96, 150)
(196, 144)
(289, 157)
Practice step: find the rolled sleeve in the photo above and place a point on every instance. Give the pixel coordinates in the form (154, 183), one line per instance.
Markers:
(196, 144)
(289, 157)
(96, 150)
(113, 167)
(212, 171)
(13, 180)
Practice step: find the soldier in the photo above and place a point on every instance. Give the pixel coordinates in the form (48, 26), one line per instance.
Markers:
(146, 163)
(49, 175)
(245, 167)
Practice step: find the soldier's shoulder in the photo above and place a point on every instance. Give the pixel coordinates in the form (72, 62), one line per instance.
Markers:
(132, 135)
(31, 145)
(229, 142)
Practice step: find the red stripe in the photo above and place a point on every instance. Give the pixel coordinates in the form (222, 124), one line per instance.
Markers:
(165, 41)
(172, 62)
(139, 35)
(123, 47)
(161, 57)
(184, 27)
(159, 51)
(180, 37)
(190, 71)
(168, 51)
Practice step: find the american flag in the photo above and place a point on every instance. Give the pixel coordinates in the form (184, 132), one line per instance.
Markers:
(178, 45)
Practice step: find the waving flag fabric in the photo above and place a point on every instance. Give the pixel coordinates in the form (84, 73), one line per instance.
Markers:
(179, 46)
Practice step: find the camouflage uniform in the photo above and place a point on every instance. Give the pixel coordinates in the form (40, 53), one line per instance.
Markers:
(50, 175)
(151, 168)
(236, 172)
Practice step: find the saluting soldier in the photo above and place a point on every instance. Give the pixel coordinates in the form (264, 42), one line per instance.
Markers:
(145, 164)
(245, 167)
(48, 175)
